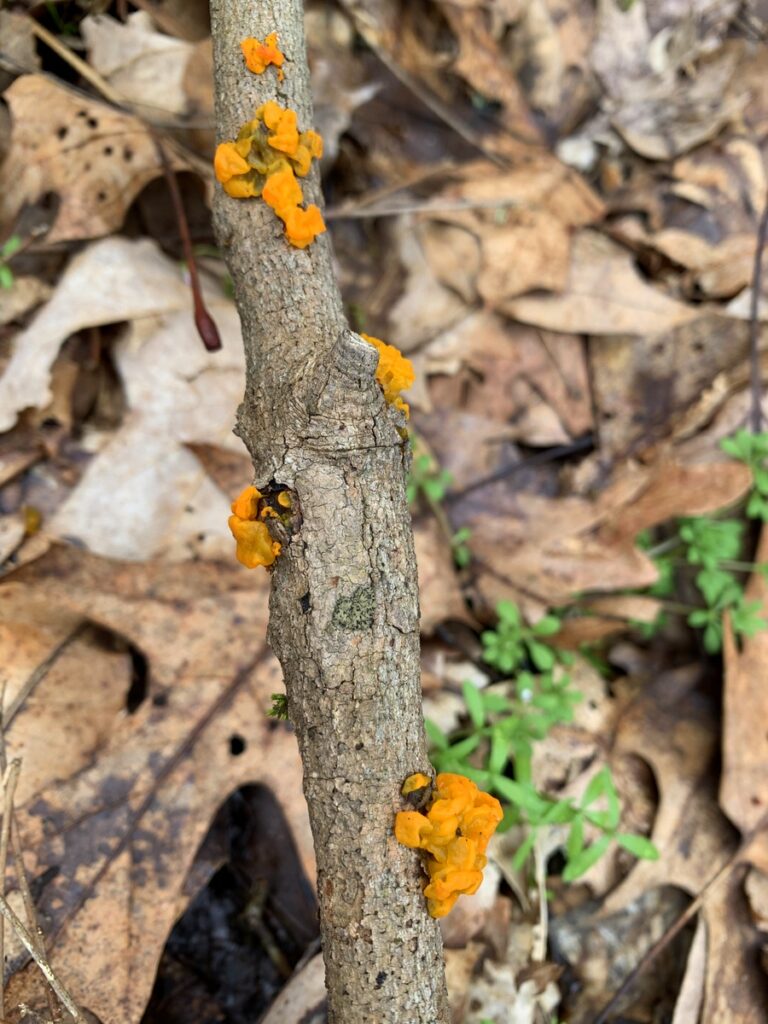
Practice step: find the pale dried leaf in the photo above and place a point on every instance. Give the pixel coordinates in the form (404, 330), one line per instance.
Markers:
(439, 593)
(145, 67)
(110, 281)
(303, 1000)
(604, 295)
(24, 294)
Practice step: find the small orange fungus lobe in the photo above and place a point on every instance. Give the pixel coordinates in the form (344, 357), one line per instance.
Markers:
(302, 226)
(394, 373)
(454, 833)
(416, 781)
(285, 135)
(265, 160)
(228, 162)
(258, 55)
(282, 191)
(254, 542)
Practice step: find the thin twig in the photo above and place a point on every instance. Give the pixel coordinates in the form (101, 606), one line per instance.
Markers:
(9, 789)
(540, 458)
(29, 944)
(754, 323)
(84, 69)
(206, 326)
(18, 854)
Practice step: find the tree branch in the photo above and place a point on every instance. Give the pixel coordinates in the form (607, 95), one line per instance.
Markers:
(344, 603)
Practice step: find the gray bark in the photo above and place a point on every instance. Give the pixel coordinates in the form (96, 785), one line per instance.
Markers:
(344, 606)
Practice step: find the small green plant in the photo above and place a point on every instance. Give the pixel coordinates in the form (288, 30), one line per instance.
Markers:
(512, 642)
(427, 478)
(279, 707)
(9, 249)
(752, 449)
(506, 720)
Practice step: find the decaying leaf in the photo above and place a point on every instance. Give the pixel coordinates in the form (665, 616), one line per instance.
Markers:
(144, 66)
(604, 295)
(144, 493)
(439, 594)
(121, 831)
(744, 785)
(95, 159)
(535, 382)
(642, 385)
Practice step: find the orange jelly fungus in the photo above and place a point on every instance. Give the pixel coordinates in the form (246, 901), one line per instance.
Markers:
(254, 541)
(265, 160)
(394, 373)
(258, 55)
(454, 833)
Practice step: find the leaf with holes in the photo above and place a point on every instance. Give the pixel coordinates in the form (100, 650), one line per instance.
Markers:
(95, 159)
(123, 813)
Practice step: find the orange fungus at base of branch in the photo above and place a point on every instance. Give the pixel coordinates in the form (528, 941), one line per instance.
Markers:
(265, 160)
(454, 833)
(394, 373)
(258, 55)
(254, 542)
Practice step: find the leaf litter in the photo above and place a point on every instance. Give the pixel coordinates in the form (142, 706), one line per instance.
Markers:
(553, 209)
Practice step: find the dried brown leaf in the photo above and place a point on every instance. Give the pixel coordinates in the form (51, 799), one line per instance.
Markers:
(744, 783)
(95, 159)
(604, 295)
(124, 828)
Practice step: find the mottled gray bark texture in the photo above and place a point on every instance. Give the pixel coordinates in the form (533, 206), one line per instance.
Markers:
(344, 605)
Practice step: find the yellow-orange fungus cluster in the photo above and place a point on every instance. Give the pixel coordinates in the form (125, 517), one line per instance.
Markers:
(454, 831)
(258, 55)
(266, 159)
(254, 541)
(394, 373)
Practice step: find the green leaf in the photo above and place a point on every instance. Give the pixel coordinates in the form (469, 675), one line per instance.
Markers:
(547, 626)
(434, 490)
(464, 748)
(435, 735)
(542, 656)
(508, 613)
(638, 846)
(474, 701)
(575, 842)
(499, 754)
(586, 859)
(521, 796)
(11, 247)
(561, 813)
(597, 787)
(6, 277)
(718, 586)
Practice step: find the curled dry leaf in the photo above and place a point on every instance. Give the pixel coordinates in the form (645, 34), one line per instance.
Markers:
(604, 294)
(122, 830)
(144, 493)
(673, 727)
(515, 234)
(146, 67)
(534, 382)
(642, 385)
(94, 158)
